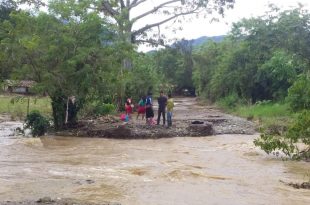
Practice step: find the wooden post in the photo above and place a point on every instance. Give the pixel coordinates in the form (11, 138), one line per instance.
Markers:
(28, 104)
(66, 120)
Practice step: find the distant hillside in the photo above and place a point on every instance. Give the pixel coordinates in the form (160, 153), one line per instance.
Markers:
(196, 42)
(199, 41)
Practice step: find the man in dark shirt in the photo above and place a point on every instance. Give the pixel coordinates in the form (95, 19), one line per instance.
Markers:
(162, 102)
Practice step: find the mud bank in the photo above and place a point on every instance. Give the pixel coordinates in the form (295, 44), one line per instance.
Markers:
(189, 119)
(141, 131)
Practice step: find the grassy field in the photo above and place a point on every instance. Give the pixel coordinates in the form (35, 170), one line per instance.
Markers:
(16, 106)
(266, 114)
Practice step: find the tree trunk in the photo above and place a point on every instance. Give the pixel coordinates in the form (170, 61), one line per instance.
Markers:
(72, 113)
(59, 107)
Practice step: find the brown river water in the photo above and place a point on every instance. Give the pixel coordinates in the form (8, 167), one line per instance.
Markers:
(221, 169)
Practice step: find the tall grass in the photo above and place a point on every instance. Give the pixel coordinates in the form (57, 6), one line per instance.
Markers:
(16, 106)
(264, 110)
(266, 114)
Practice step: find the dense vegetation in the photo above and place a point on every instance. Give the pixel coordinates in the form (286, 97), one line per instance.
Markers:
(264, 61)
(82, 53)
(259, 71)
(86, 61)
(260, 60)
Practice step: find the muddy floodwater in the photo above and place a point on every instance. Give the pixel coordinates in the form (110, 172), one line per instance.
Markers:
(221, 169)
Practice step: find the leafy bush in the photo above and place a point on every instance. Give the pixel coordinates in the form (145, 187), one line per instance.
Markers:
(299, 132)
(104, 109)
(230, 101)
(299, 94)
(37, 123)
(96, 109)
(280, 72)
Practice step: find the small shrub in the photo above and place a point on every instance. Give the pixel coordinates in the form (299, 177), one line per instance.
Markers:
(299, 132)
(94, 109)
(37, 123)
(230, 101)
(299, 94)
(104, 109)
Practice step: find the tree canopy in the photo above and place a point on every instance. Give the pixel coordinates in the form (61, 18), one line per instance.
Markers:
(78, 48)
(259, 60)
(127, 13)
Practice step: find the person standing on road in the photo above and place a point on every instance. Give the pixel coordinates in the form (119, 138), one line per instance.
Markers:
(170, 105)
(128, 107)
(162, 103)
(149, 113)
(141, 108)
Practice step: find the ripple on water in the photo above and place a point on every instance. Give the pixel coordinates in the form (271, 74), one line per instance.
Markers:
(7, 129)
(164, 171)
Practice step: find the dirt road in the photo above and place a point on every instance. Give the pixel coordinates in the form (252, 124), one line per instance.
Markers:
(187, 111)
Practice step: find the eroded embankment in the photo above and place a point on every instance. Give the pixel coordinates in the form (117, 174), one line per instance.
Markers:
(189, 119)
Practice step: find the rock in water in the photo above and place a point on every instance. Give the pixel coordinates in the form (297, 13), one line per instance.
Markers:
(200, 129)
(45, 200)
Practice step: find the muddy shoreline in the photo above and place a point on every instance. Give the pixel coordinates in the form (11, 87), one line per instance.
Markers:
(189, 119)
(188, 128)
(48, 200)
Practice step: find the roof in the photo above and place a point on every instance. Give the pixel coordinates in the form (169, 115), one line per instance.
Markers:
(20, 83)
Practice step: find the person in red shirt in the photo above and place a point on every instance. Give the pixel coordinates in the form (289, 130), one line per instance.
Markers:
(128, 107)
(142, 108)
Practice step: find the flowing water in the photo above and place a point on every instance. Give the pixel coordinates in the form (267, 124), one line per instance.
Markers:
(223, 169)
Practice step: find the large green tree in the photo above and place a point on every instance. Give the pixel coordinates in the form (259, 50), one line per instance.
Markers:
(65, 57)
(6, 7)
(176, 64)
(134, 21)
(128, 14)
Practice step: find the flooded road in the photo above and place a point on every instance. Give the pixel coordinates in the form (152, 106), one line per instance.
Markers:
(222, 169)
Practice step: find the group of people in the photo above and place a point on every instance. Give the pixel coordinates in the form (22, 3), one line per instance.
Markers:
(145, 108)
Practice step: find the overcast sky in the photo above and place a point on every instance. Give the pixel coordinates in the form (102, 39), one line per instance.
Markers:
(242, 9)
(202, 27)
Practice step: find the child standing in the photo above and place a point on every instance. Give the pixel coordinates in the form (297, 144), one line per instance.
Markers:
(141, 108)
(128, 107)
(149, 113)
(170, 105)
